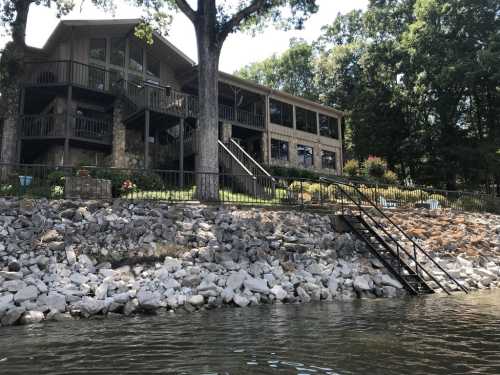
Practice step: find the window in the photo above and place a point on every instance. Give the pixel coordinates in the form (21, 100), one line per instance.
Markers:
(306, 120)
(328, 160)
(329, 126)
(305, 156)
(97, 49)
(281, 113)
(135, 58)
(117, 51)
(279, 150)
(153, 66)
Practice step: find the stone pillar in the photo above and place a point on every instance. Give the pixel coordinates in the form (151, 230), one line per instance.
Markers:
(119, 134)
(227, 132)
(264, 145)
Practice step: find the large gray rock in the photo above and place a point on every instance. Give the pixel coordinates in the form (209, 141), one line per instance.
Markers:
(90, 306)
(363, 283)
(389, 281)
(54, 301)
(28, 293)
(303, 295)
(196, 300)
(6, 302)
(236, 279)
(279, 292)
(7, 275)
(149, 300)
(12, 315)
(131, 307)
(256, 285)
(31, 317)
(240, 300)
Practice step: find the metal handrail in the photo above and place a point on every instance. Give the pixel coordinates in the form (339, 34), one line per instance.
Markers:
(415, 245)
(221, 144)
(247, 155)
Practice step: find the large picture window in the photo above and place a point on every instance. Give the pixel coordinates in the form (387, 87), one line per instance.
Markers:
(281, 113)
(328, 159)
(97, 50)
(279, 150)
(306, 120)
(328, 126)
(135, 59)
(117, 52)
(305, 156)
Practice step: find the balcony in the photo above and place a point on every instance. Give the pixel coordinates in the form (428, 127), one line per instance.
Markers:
(140, 95)
(81, 128)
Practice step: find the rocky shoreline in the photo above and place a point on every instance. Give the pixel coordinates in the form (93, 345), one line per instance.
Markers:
(69, 259)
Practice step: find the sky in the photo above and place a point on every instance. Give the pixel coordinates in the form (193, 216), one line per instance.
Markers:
(239, 49)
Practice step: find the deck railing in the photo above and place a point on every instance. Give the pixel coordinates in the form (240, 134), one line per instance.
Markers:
(54, 126)
(156, 97)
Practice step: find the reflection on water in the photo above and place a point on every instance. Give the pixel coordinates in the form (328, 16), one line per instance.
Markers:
(428, 335)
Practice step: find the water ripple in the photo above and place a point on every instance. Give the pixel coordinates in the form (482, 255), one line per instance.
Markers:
(431, 335)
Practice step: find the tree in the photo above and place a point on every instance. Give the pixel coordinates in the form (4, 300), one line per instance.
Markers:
(213, 21)
(14, 18)
(292, 72)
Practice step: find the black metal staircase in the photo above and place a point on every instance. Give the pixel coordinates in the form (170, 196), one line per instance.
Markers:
(404, 259)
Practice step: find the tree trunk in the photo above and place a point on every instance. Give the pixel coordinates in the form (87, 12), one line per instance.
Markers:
(207, 164)
(12, 62)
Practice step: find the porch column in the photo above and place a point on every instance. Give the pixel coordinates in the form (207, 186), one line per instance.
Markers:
(19, 124)
(146, 139)
(67, 125)
(119, 136)
(181, 153)
(227, 132)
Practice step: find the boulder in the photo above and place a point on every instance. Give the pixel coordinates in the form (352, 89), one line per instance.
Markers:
(279, 292)
(362, 283)
(28, 293)
(31, 317)
(12, 315)
(196, 300)
(240, 300)
(256, 285)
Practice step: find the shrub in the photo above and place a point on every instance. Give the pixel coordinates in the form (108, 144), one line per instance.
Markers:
(57, 191)
(146, 180)
(390, 178)
(56, 178)
(374, 167)
(351, 168)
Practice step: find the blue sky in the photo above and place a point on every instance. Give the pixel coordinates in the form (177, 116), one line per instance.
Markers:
(239, 49)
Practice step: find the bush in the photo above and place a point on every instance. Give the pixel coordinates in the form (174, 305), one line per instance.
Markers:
(351, 168)
(56, 178)
(390, 178)
(292, 173)
(374, 167)
(145, 180)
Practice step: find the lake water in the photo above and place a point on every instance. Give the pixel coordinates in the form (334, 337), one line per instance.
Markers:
(428, 335)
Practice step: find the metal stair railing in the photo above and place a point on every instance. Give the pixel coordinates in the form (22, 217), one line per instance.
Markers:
(263, 177)
(358, 204)
(230, 161)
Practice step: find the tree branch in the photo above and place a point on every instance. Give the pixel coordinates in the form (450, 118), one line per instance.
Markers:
(239, 17)
(186, 9)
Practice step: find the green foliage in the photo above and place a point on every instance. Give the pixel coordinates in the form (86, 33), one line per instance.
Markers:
(146, 180)
(419, 81)
(374, 167)
(390, 178)
(56, 178)
(351, 168)
(293, 71)
(293, 173)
